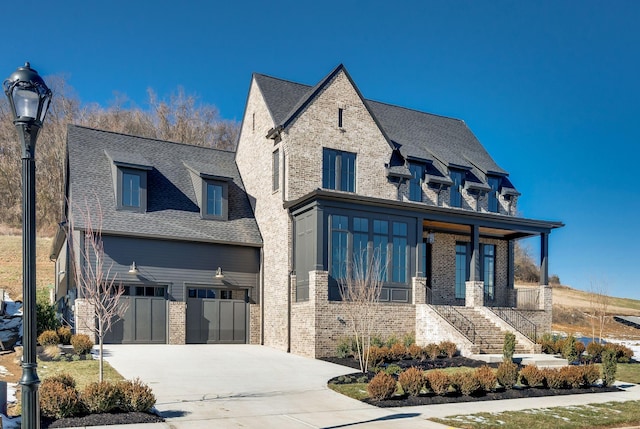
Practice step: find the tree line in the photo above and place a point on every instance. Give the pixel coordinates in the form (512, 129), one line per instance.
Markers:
(180, 117)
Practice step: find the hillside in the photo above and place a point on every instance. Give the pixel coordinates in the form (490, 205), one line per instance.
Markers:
(11, 264)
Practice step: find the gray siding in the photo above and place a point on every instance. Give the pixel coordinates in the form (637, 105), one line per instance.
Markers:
(305, 244)
(176, 263)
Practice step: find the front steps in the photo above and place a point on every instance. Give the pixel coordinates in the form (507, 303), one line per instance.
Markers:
(489, 338)
(539, 360)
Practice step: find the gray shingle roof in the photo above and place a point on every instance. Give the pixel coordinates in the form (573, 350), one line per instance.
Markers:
(446, 141)
(172, 208)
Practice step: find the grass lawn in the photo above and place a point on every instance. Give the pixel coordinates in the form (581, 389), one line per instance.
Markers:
(607, 415)
(83, 371)
(353, 390)
(629, 372)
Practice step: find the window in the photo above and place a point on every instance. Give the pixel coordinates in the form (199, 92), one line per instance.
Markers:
(415, 184)
(380, 244)
(399, 252)
(489, 270)
(339, 236)
(215, 200)
(462, 270)
(338, 170)
(494, 183)
(132, 189)
(360, 242)
(456, 197)
(275, 163)
(340, 112)
(157, 291)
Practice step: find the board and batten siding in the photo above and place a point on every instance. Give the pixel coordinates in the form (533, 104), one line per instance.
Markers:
(177, 263)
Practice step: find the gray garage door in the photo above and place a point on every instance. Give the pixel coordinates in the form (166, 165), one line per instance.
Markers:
(216, 321)
(145, 322)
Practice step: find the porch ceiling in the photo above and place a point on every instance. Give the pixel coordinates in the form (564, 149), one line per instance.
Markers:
(438, 226)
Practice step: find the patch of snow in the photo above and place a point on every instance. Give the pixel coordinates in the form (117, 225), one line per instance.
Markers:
(632, 344)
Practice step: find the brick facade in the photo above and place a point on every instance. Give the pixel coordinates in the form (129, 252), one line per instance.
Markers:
(85, 318)
(177, 322)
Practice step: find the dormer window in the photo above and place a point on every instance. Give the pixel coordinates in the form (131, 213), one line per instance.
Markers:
(215, 200)
(415, 183)
(457, 177)
(494, 184)
(132, 188)
(130, 180)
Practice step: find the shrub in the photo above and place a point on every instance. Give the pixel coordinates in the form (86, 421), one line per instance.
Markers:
(343, 349)
(102, 397)
(623, 354)
(52, 351)
(507, 374)
(465, 382)
(531, 376)
(509, 347)
(136, 396)
(408, 339)
(81, 343)
(64, 333)
(548, 343)
(486, 377)
(376, 341)
(569, 351)
(46, 319)
(415, 351)
(438, 382)
(580, 348)
(572, 376)
(377, 355)
(391, 341)
(448, 348)
(412, 381)
(58, 400)
(609, 366)
(552, 378)
(397, 351)
(393, 369)
(432, 351)
(63, 378)
(382, 386)
(48, 338)
(590, 375)
(594, 350)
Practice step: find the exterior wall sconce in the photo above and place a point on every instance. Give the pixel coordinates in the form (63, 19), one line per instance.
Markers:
(431, 237)
(219, 274)
(133, 269)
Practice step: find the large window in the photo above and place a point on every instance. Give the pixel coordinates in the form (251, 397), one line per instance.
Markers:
(360, 242)
(489, 270)
(456, 196)
(380, 244)
(415, 184)
(494, 183)
(339, 237)
(338, 170)
(462, 270)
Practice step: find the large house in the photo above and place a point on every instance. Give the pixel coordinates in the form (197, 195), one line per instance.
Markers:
(321, 175)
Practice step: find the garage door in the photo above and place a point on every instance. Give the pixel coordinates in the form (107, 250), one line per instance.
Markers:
(216, 321)
(144, 322)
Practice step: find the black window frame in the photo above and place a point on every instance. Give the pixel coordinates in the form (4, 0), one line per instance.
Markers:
(142, 191)
(224, 209)
(336, 174)
(455, 192)
(492, 196)
(275, 167)
(415, 183)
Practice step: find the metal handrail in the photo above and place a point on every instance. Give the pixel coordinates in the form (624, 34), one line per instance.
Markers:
(513, 317)
(458, 320)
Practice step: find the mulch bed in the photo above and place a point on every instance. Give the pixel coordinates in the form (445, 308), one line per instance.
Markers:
(100, 420)
(457, 361)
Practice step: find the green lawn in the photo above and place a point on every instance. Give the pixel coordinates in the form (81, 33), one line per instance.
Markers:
(83, 371)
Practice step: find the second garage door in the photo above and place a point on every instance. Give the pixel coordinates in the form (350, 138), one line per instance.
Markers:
(214, 317)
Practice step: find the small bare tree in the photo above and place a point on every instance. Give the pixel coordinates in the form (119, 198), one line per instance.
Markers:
(598, 307)
(360, 293)
(93, 277)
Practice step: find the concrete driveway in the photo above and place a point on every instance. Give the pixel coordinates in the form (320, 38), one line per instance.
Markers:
(233, 386)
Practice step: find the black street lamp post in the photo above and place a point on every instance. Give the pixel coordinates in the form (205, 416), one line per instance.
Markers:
(29, 98)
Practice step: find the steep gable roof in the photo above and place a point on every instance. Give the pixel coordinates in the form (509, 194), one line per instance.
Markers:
(416, 134)
(172, 207)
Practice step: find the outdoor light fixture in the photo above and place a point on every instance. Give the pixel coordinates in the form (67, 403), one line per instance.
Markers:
(431, 237)
(29, 100)
(219, 274)
(133, 269)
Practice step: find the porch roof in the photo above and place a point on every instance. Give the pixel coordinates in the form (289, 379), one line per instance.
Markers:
(434, 218)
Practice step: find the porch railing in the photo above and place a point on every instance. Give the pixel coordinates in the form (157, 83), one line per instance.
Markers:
(523, 325)
(528, 298)
(458, 320)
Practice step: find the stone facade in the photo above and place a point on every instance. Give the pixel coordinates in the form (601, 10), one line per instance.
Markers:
(85, 318)
(177, 322)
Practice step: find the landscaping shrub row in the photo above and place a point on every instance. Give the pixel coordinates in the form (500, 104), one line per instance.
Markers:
(574, 350)
(59, 397)
(415, 382)
(380, 355)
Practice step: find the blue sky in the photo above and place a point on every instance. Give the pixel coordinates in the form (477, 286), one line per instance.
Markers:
(549, 87)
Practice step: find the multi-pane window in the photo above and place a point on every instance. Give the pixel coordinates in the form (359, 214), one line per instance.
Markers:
(338, 170)
(415, 184)
(214, 199)
(339, 246)
(380, 244)
(399, 252)
(462, 270)
(360, 242)
(131, 189)
(456, 196)
(494, 183)
(157, 291)
(489, 270)
(276, 170)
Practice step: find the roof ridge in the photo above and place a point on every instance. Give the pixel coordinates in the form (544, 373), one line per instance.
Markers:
(147, 138)
(417, 111)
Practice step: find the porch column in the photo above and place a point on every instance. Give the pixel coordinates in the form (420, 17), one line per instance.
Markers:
(474, 295)
(511, 292)
(420, 249)
(544, 258)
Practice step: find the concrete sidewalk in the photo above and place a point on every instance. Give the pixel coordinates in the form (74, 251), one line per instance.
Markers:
(204, 386)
